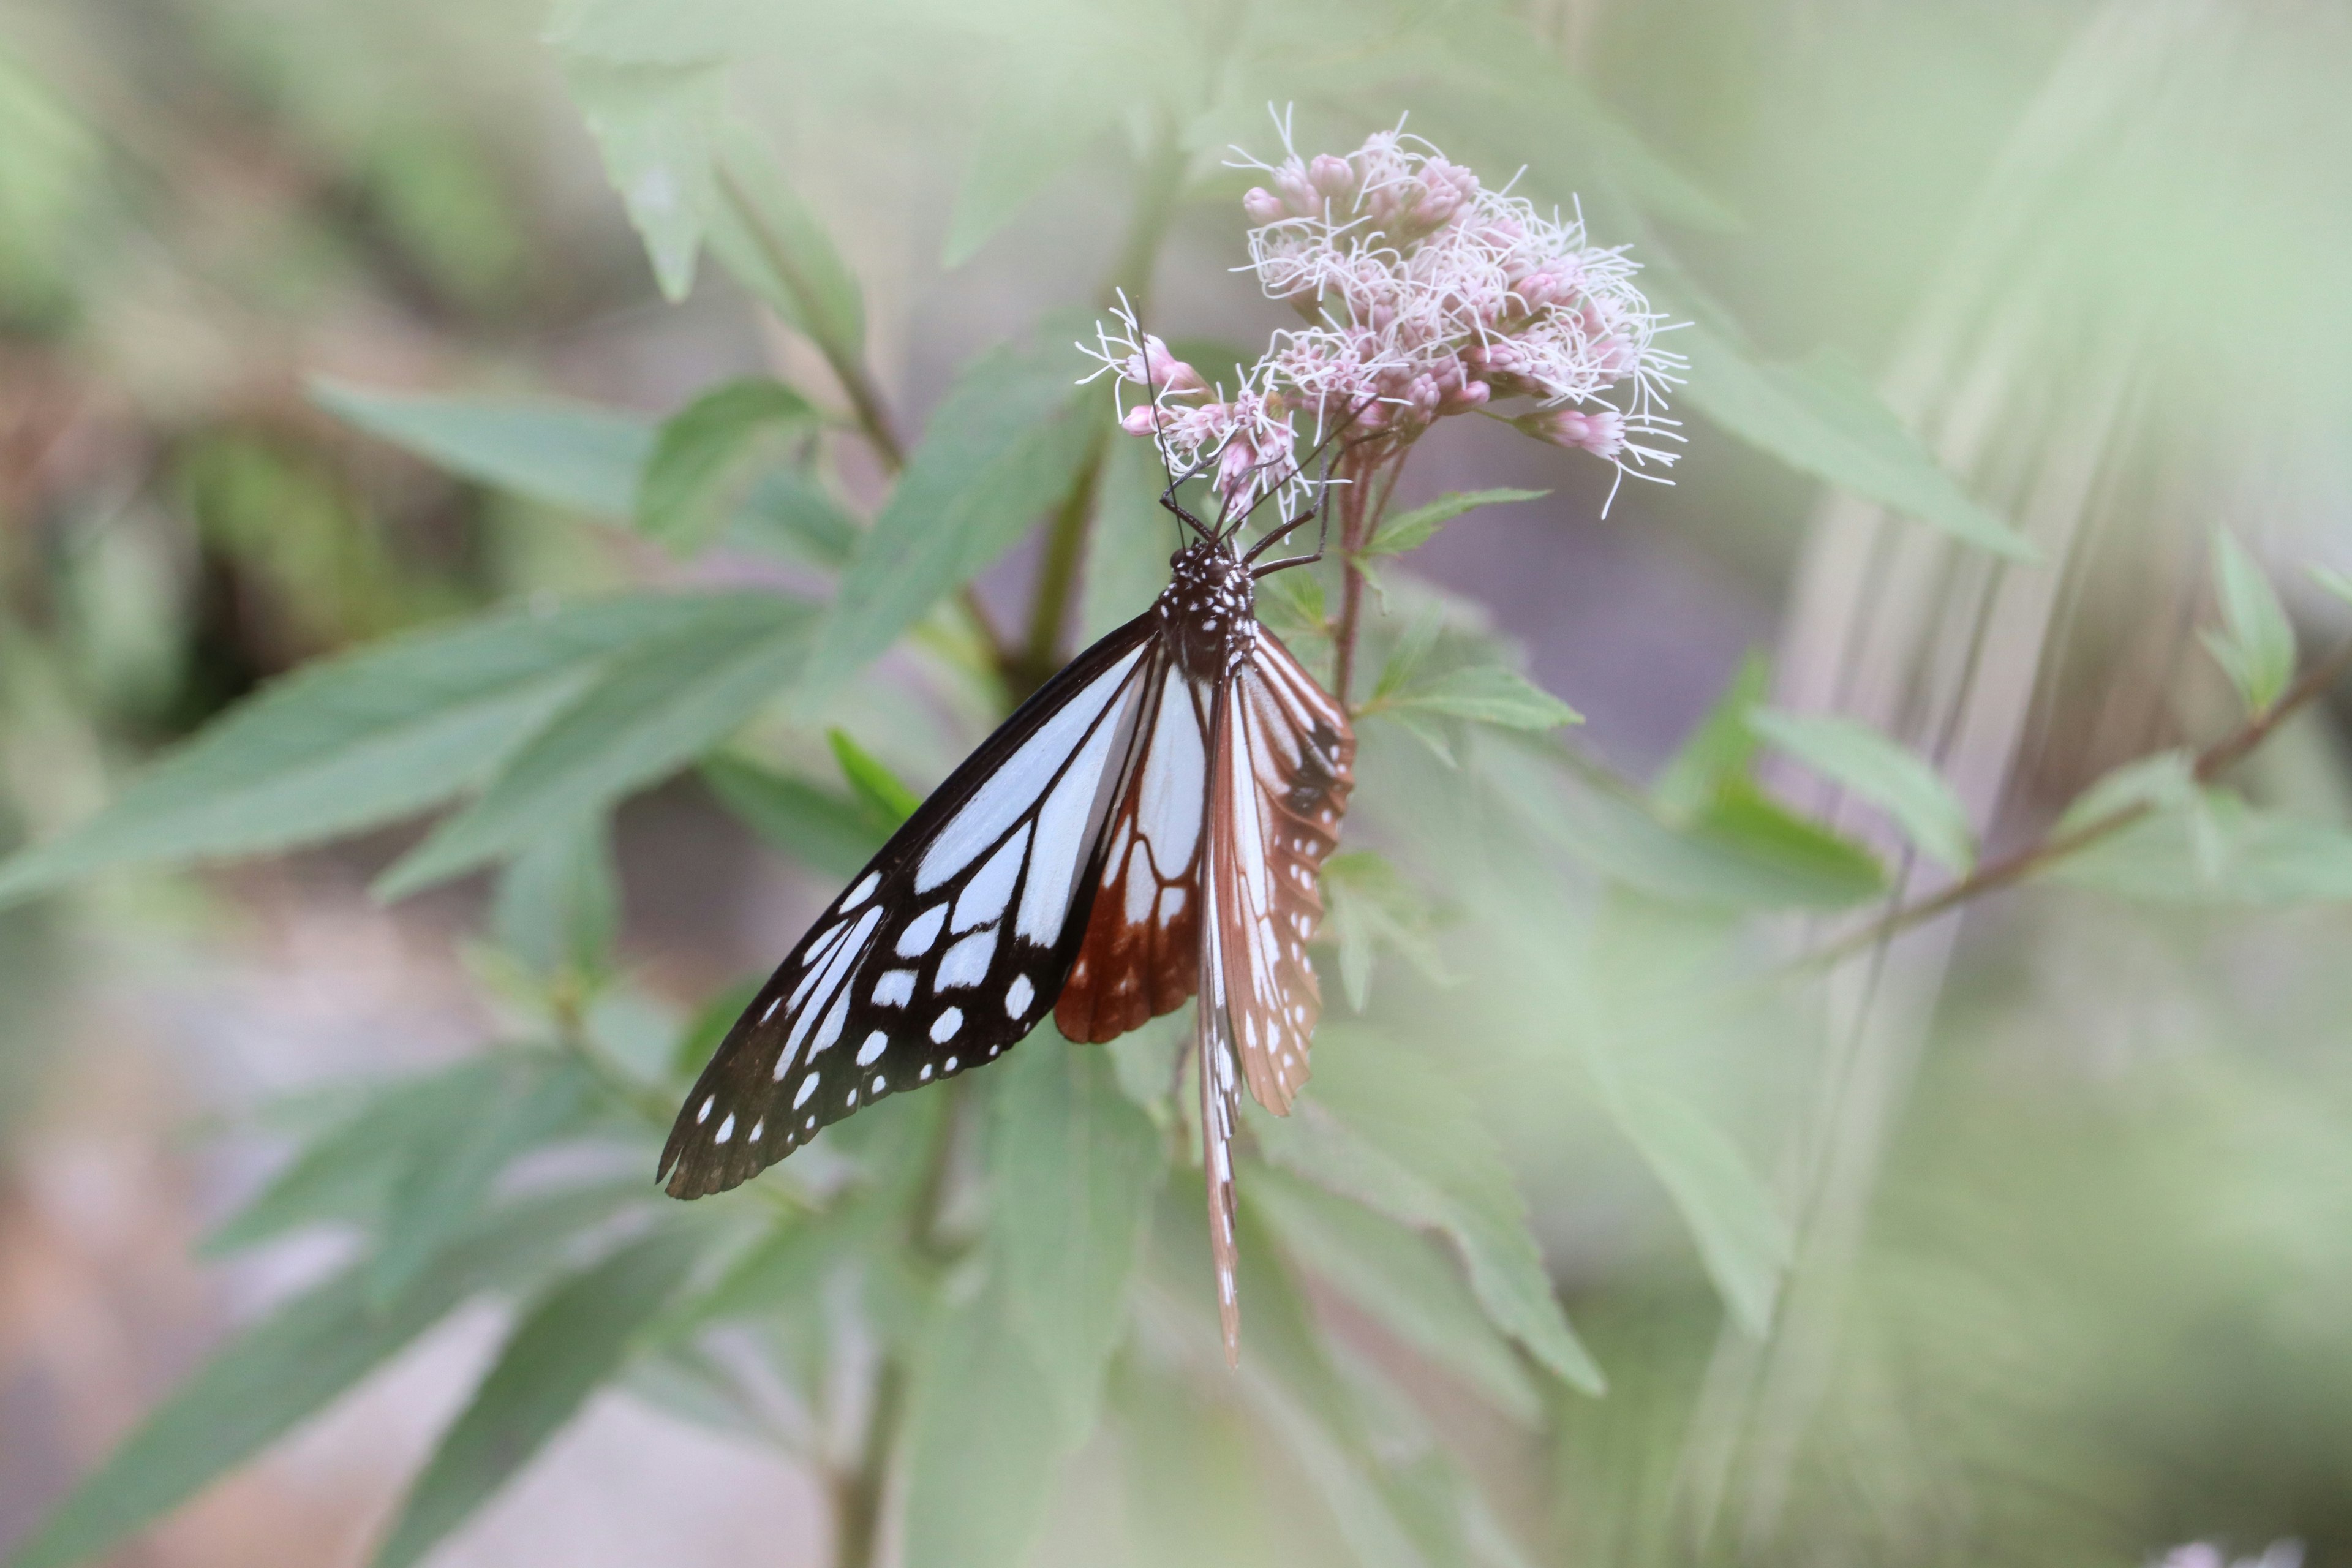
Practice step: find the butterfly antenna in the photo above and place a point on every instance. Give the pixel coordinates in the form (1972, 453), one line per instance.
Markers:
(1159, 441)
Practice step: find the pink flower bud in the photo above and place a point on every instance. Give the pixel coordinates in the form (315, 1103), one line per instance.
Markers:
(1263, 206)
(1140, 420)
(1291, 181)
(1463, 399)
(1599, 431)
(1234, 465)
(1333, 177)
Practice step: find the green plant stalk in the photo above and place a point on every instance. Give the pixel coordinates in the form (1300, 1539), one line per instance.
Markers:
(2212, 762)
(1363, 505)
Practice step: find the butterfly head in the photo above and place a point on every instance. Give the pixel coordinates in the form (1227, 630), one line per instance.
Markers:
(1209, 607)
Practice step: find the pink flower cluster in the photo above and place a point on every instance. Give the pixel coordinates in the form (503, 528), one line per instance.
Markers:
(1425, 294)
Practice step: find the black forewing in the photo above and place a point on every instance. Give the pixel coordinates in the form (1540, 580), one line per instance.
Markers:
(950, 944)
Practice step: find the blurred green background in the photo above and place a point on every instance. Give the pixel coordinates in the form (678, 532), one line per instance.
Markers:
(2024, 1237)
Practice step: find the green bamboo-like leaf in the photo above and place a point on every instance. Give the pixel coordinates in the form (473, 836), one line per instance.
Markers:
(1384, 1129)
(2166, 782)
(451, 1165)
(1824, 418)
(570, 1343)
(2256, 647)
(1720, 748)
(982, 1447)
(885, 798)
(682, 498)
(1399, 1278)
(1073, 1166)
(350, 742)
(1483, 694)
(1813, 864)
(648, 713)
(1000, 453)
(1420, 525)
(814, 826)
(657, 127)
(1896, 780)
(288, 1367)
(764, 234)
(575, 455)
(1742, 1236)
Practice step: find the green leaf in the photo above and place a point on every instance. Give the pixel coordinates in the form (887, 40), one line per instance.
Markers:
(764, 234)
(1385, 1129)
(657, 127)
(1722, 748)
(789, 513)
(450, 1165)
(1742, 1236)
(570, 1343)
(1418, 526)
(1036, 127)
(651, 711)
(2221, 852)
(288, 1368)
(1072, 1167)
(1001, 452)
(1814, 866)
(352, 741)
(558, 903)
(887, 802)
(1484, 694)
(2255, 647)
(1890, 776)
(982, 1447)
(682, 496)
(575, 455)
(1824, 418)
(1397, 1277)
(1370, 907)
(820, 829)
(2166, 782)
(2333, 581)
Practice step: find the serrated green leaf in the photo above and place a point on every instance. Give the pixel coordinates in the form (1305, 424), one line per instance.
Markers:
(657, 127)
(1887, 774)
(814, 826)
(1742, 1236)
(1824, 418)
(1072, 1167)
(2253, 858)
(998, 454)
(1411, 651)
(1002, 451)
(1384, 1129)
(790, 514)
(1722, 747)
(569, 1344)
(288, 1367)
(981, 1447)
(1397, 1277)
(1417, 527)
(575, 455)
(682, 495)
(885, 800)
(2255, 647)
(558, 904)
(352, 741)
(648, 713)
(449, 1166)
(767, 237)
(1817, 866)
(1483, 694)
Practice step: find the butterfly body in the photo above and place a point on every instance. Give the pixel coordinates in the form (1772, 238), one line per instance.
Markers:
(1148, 826)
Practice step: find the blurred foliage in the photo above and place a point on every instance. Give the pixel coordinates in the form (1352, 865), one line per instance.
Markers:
(2096, 1312)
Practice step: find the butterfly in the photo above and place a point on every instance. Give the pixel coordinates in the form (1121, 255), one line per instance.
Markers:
(1150, 825)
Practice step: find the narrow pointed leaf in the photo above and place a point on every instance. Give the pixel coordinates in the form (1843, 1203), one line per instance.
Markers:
(575, 455)
(572, 1340)
(1486, 694)
(657, 128)
(1420, 525)
(683, 496)
(983, 1446)
(763, 234)
(887, 799)
(822, 830)
(2256, 645)
(1896, 780)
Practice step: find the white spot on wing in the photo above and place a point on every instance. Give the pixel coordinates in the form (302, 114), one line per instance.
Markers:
(923, 931)
(860, 893)
(726, 1128)
(944, 1026)
(1018, 995)
(1062, 825)
(895, 989)
(966, 962)
(990, 888)
(876, 1043)
(808, 1087)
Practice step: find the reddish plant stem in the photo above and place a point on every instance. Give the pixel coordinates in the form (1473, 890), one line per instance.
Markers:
(2212, 762)
(1363, 501)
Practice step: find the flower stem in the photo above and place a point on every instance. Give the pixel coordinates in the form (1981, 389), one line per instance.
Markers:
(2015, 867)
(1362, 506)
